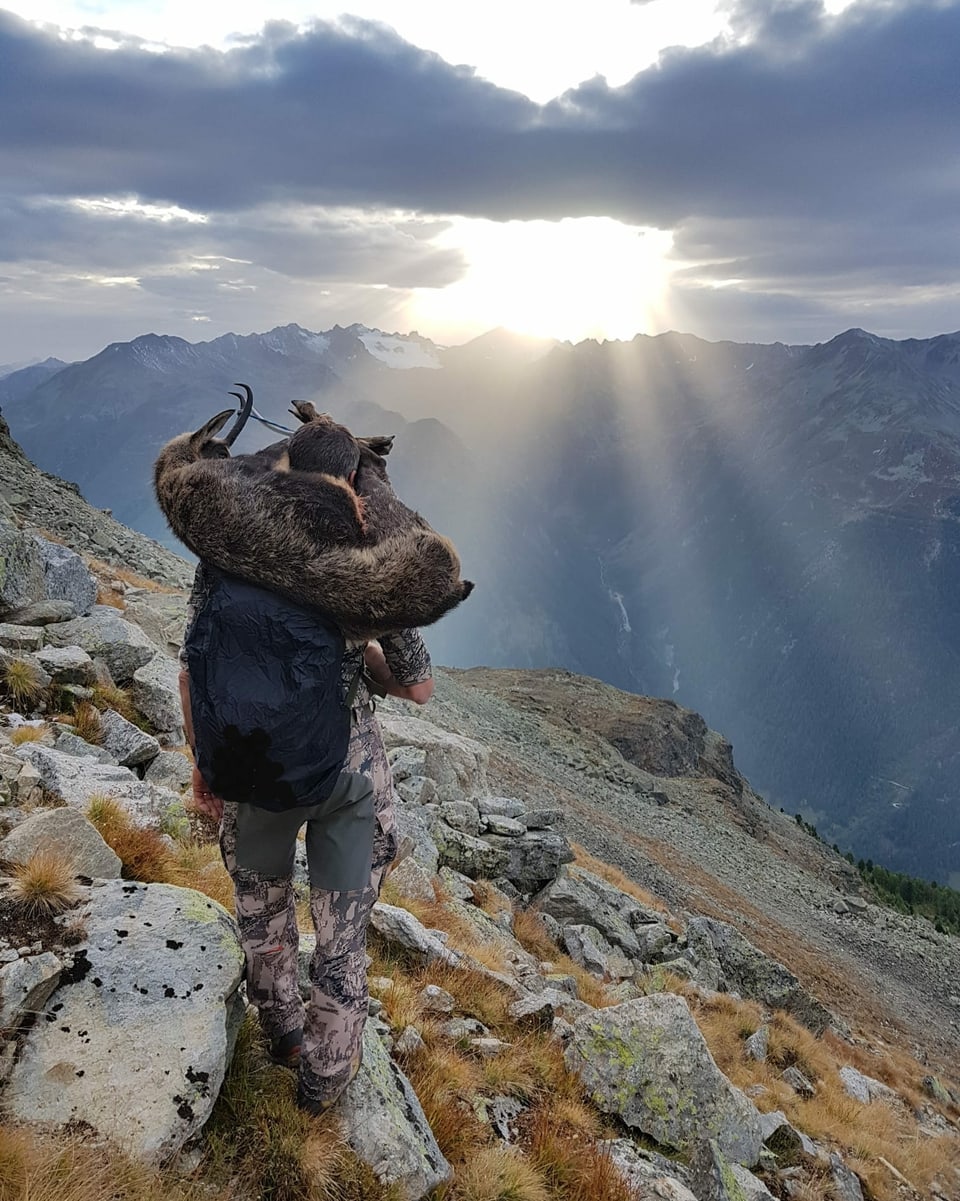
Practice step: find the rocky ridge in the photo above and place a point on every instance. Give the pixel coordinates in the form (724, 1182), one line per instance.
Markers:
(134, 990)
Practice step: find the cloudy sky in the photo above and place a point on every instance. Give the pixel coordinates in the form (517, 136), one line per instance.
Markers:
(751, 169)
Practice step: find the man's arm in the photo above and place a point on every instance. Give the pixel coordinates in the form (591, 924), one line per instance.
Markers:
(203, 800)
(401, 666)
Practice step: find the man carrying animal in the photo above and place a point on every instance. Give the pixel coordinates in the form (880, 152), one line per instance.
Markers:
(264, 697)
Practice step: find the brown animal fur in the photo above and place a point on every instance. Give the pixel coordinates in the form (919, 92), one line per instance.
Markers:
(367, 561)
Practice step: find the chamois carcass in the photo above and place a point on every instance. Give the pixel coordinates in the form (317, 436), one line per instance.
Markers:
(281, 519)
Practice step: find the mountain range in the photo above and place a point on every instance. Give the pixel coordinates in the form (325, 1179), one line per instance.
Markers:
(766, 533)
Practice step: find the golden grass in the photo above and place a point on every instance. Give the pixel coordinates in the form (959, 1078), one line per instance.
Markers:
(28, 734)
(36, 1167)
(107, 596)
(143, 852)
(500, 1173)
(21, 682)
(614, 876)
(259, 1137)
(45, 884)
(490, 899)
(198, 865)
(108, 696)
(87, 724)
(107, 572)
(531, 933)
(446, 1083)
(574, 1169)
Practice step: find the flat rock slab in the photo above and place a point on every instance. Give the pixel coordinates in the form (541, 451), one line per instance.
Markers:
(135, 1039)
(67, 833)
(25, 986)
(127, 743)
(75, 781)
(156, 693)
(646, 1061)
(384, 1123)
(105, 635)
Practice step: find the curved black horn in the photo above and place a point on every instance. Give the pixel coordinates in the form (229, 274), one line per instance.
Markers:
(246, 408)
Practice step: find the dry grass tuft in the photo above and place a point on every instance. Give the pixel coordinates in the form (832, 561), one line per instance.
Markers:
(28, 734)
(446, 1083)
(21, 682)
(500, 1173)
(258, 1136)
(44, 885)
(108, 696)
(107, 596)
(35, 1167)
(198, 865)
(143, 852)
(87, 724)
(574, 1169)
(490, 899)
(531, 933)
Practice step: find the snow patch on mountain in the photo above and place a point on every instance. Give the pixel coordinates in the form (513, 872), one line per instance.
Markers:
(397, 351)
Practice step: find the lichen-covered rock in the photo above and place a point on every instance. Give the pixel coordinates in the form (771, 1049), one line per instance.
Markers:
(787, 1143)
(650, 1175)
(587, 946)
(413, 823)
(469, 855)
(135, 1039)
(501, 806)
(156, 694)
(456, 764)
(509, 827)
(128, 744)
(461, 815)
(417, 790)
(533, 860)
(21, 568)
(66, 833)
(407, 762)
(20, 638)
(65, 577)
(757, 1045)
(75, 781)
(865, 1089)
(846, 1183)
(400, 928)
(574, 898)
(383, 1121)
(748, 971)
(409, 879)
(105, 635)
(646, 1061)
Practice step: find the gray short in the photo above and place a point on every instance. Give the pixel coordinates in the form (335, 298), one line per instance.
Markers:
(339, 837)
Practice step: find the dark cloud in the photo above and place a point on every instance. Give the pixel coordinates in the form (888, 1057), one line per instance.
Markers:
(798, 151)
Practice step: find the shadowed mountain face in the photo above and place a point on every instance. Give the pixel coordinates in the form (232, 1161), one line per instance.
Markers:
(768, 534)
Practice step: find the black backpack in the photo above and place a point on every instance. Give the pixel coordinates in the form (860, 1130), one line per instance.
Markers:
(270, 721)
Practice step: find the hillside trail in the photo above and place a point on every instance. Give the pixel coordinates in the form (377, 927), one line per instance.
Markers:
(706, 849)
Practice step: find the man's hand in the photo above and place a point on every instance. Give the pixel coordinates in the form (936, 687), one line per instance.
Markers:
(203, 800)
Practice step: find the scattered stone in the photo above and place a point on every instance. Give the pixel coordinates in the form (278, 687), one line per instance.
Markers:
(509, 827)
(409, 879)
(798, 1082)
(748, 971)
(80, 1067)
(456, 885)
(647, 1174)
(20, 638)
(156, 694)
(65, 577)
(413, 823)
(758, 1044)
(456, 764)
(384, 1123)
(469, 855)
(69, 743)
(500, 806)
(488, 1048)
(75, 780)
(400, 928)
(64, 832)
(43, 613)
(751, 1187)
(161, 615)
(864, 1088)
(587, 946)
(462, 1029)
(846, 1183)
(533, 861)
(501, 1112)
(787, 1143)
(646, 1061)
(417, 790)
(543, 819)
(169, 769)
(128, 744)
(407, 762)
(436, 1000)
(409, 1042)
(67, 665)
(460, 815)
(575, 898)
(21, 582)
(105, 635)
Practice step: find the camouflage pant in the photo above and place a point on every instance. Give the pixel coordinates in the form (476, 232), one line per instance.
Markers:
(334, 1017)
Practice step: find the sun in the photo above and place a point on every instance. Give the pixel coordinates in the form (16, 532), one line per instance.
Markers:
(583, 277)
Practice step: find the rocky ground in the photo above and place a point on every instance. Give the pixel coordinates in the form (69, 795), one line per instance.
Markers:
(709, 845)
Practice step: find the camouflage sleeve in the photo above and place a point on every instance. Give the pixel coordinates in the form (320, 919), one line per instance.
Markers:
(407, 657)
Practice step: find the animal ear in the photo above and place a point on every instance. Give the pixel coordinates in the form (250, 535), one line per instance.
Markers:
(212, 428)
(380, 444)
(304, 410)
